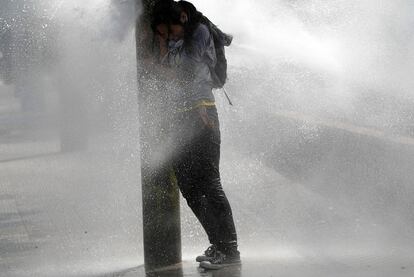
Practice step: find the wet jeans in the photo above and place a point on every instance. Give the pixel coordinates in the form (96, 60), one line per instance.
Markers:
(196, 164)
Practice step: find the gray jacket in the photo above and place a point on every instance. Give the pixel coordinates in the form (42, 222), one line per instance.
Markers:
(193, 68)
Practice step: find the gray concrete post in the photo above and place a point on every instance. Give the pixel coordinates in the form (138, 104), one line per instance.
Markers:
(160, 195)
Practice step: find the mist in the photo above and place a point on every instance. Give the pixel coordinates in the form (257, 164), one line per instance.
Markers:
(317, 151)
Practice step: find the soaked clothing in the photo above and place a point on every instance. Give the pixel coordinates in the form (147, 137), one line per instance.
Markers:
(193, 69)
(196, 164)
(196, 146)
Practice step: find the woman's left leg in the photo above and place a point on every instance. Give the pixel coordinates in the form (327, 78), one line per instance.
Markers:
(218, 205)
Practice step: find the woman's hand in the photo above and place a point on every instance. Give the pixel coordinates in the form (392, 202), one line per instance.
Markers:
(162, 37)
(202, 111)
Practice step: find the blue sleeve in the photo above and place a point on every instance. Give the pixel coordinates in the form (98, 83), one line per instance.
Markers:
(196, 61)
(200, 44)
(200, 56)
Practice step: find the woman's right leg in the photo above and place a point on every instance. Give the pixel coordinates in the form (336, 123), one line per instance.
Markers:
(191, 190)
(197, 170)
(186, 163)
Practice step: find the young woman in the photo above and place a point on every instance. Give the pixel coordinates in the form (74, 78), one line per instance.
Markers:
(189, 51)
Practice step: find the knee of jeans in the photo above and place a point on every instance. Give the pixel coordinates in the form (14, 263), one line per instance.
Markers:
(215, 191)
(197, 202)
(190, 194)
(193, 202)
(215, 186)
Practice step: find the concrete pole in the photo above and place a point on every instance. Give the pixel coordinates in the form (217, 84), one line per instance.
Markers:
(160, 195)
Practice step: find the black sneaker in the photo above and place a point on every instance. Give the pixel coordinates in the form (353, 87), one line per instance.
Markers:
(222, 260)
(209, 254)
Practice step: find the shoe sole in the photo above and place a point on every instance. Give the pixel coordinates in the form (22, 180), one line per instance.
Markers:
(208, 265)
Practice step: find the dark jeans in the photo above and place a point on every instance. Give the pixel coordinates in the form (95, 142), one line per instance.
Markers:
(196, 164)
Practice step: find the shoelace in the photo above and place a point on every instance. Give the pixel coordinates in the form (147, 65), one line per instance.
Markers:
(210, 251)
(219, 258)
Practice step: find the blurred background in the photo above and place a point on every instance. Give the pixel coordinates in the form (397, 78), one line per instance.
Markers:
(317, 151)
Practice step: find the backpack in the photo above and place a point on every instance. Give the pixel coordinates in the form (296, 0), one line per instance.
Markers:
(221, 40)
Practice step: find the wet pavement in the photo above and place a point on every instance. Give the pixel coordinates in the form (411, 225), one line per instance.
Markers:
(288, 268)
(338, 205)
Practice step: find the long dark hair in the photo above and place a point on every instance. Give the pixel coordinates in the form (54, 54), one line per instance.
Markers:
(161, 13)
(194, 19)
